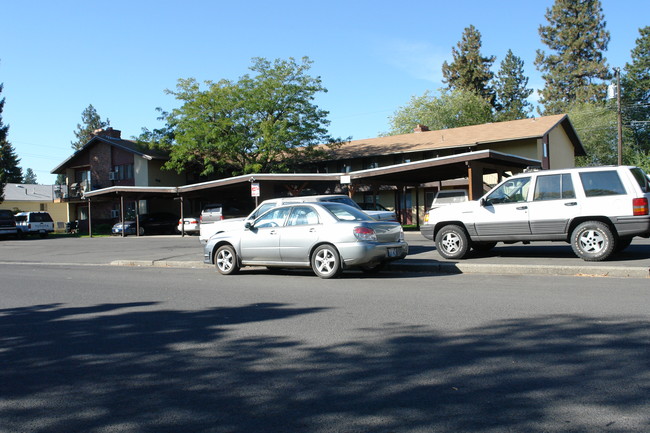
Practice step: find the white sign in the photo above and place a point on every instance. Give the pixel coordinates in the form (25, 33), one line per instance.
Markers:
(255, 189)
(345, 179)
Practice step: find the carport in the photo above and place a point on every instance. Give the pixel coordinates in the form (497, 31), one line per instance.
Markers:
(470, 165)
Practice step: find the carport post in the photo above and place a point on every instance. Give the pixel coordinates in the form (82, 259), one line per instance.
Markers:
(90, 220)
(182, 219)
(122, 213)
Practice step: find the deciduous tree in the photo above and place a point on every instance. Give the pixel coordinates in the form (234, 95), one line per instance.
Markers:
(451, 109)
(263, 122)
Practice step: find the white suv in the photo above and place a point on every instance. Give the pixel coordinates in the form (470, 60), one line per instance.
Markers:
(34, 223)
(597, 209)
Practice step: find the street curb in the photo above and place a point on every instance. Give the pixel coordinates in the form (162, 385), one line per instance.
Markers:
(434, 267)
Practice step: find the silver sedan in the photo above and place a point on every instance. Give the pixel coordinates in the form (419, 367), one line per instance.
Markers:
(326, 236)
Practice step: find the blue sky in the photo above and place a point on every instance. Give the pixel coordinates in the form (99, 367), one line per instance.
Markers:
(56, 58)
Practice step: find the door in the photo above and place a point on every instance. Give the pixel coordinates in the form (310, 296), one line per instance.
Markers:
(300, 233)
(553, 206)
(262, 241)
(504, 215)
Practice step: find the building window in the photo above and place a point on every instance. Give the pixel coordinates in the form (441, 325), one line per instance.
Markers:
(123, 172)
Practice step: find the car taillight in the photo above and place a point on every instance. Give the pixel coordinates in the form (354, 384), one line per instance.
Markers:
(365, 234)
(640, 206)
(222, 218)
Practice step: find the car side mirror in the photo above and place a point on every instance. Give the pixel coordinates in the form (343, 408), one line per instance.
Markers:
(482, 202)
(248, 225)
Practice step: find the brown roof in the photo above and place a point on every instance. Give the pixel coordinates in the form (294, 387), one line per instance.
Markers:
(467, 136)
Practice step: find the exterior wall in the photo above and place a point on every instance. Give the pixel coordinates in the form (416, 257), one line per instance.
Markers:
(561, 150)
(160, 177)
(100, 165)
(524, 148)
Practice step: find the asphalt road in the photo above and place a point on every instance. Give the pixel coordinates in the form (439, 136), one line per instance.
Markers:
(102, 349)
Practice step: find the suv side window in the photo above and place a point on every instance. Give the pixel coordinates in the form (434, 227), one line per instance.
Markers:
(554, 187)
(601, 183)
(641, 178)
(511, 191)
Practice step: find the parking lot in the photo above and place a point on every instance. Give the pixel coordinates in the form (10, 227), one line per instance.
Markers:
(544, 258)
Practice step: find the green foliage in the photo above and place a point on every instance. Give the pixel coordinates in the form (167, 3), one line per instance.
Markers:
(452, 109)
(265, 122)
(574, 73)
(596, 125)
(511, 91)
(91, 121)
(470, 70)
(10, 171)
(635, 94)
(30, 177)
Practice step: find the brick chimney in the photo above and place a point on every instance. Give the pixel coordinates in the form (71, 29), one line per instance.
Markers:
(108, 132)
(420, 128)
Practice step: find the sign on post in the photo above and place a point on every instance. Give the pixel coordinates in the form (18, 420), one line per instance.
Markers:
(255, 189)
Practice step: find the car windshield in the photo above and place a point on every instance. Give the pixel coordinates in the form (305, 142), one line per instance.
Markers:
(344, 212)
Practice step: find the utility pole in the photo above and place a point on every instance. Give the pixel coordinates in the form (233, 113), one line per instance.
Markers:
(617, 72)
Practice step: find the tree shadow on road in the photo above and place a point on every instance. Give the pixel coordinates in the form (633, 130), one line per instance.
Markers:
(130, 368)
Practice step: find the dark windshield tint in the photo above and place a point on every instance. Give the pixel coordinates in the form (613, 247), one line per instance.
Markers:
(641, 178)
(600, 183)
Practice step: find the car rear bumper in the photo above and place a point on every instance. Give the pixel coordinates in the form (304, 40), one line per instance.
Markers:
(361, 253)
(633, 226)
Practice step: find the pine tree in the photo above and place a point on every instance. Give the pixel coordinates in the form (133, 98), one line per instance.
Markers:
(90, 123)
(511, 91)
(30, 177)
(635, 93)
(10, 172)
(576, 70)
(470, 70)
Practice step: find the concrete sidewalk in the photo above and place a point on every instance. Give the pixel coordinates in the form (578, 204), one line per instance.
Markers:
(535, 259)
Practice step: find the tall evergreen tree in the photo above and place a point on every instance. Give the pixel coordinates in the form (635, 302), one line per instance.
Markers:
(9, 169)
(470, 70)
(635, 93)
(511, 91)
(576, 70)
(30, 177)
(90, 123)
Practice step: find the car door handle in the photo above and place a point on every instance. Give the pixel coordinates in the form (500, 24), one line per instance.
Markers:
(522, 208)
(571, 203)
(312, 230)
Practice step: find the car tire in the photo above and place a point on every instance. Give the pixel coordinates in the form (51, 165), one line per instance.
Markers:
(326, 262)
(452, 242)
(141, 231)
(226, 260)
(593, 241)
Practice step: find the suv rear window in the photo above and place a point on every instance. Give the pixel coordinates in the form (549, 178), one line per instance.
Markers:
(41, 218)
(6, 214)
(601, 183)
(641, 177)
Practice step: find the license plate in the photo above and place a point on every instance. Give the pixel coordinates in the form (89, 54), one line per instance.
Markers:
(394, 252)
